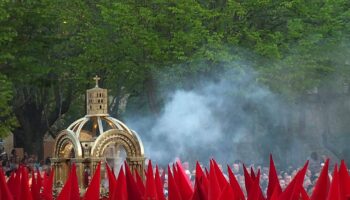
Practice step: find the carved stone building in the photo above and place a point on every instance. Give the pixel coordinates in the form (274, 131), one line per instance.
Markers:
(93, 138)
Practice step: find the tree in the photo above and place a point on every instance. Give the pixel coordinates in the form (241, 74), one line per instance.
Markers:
(7, 33)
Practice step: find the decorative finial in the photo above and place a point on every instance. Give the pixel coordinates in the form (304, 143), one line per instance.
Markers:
(96, 78)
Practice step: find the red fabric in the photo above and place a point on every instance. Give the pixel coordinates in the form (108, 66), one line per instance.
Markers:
(150, 192)
(199, 190)
(38, 179)
(162, 177)
(47, 186)
(203, 180)
(44, 179)
(159, 186)
(25, 190)
(173, 191)
(257, 180)
(121, 192)
(17, 190)
(11, 183)
(93, 191)
(227, 193)
(206, 172)
(255, 192)
(252, 174)
(140, 183)
(112, 182)
(35, 188)
(75, 195)
(321, 188)
(292, 192)
(176, 176)
(219, 175)
(184, 184)
(5, 193)
(273, 180)
(344, 181)
(237, 191)
(132, 188)
(304, 195)
(275, 194)
(201, 185)
(199, 171)
(70, 189)
(299, 183)
(214, 190)
(248, 181)
(334, 190)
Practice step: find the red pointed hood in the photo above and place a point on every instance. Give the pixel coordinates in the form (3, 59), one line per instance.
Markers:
(70, 189)
(321, 188)
(255, 192)
(184, 184)
(39, 179)
(112, 182)
(292, 192)
(173, 191)
(159, 185)
(140, 183)
(344, 181)
(121, 192)
(238, 193)
(214, 190)
(304, 195)
(11, 183)
(25, 194)
(273, 180)
(227, 193)
(35, 188)
(252, 174)
(133, 191)
(17, 190)
(47, 186)
(150, 192)
(4, 190)
(93, 191)
(220, 176)
(275, 194)
(200, 192)
(248, 181)
(334, 190)
(202, 179)
(201, 185)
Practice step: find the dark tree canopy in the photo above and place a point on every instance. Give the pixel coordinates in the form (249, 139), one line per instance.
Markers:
(50, 50)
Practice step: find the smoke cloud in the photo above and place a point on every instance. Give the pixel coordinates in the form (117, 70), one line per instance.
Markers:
(231, 116)
(216, 119)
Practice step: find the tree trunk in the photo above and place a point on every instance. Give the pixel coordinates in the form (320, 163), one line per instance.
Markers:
(151, 92)
(36, 114)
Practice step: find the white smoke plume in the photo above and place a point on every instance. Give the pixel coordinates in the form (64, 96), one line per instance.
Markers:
(214, 119)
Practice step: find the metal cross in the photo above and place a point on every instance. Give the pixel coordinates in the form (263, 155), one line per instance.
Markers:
(96, 78)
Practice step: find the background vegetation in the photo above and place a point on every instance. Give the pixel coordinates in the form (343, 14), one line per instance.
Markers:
(49, 50)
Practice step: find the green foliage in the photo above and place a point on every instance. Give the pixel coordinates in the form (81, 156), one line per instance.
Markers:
(8, 120)
(49, 50)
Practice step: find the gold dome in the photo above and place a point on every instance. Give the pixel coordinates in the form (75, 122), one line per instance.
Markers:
(86, 141)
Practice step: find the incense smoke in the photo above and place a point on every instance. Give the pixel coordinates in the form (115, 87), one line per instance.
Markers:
(233, 116)
(215, 119)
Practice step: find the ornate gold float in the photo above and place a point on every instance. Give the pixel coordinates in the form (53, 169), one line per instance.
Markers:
(93, 138)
